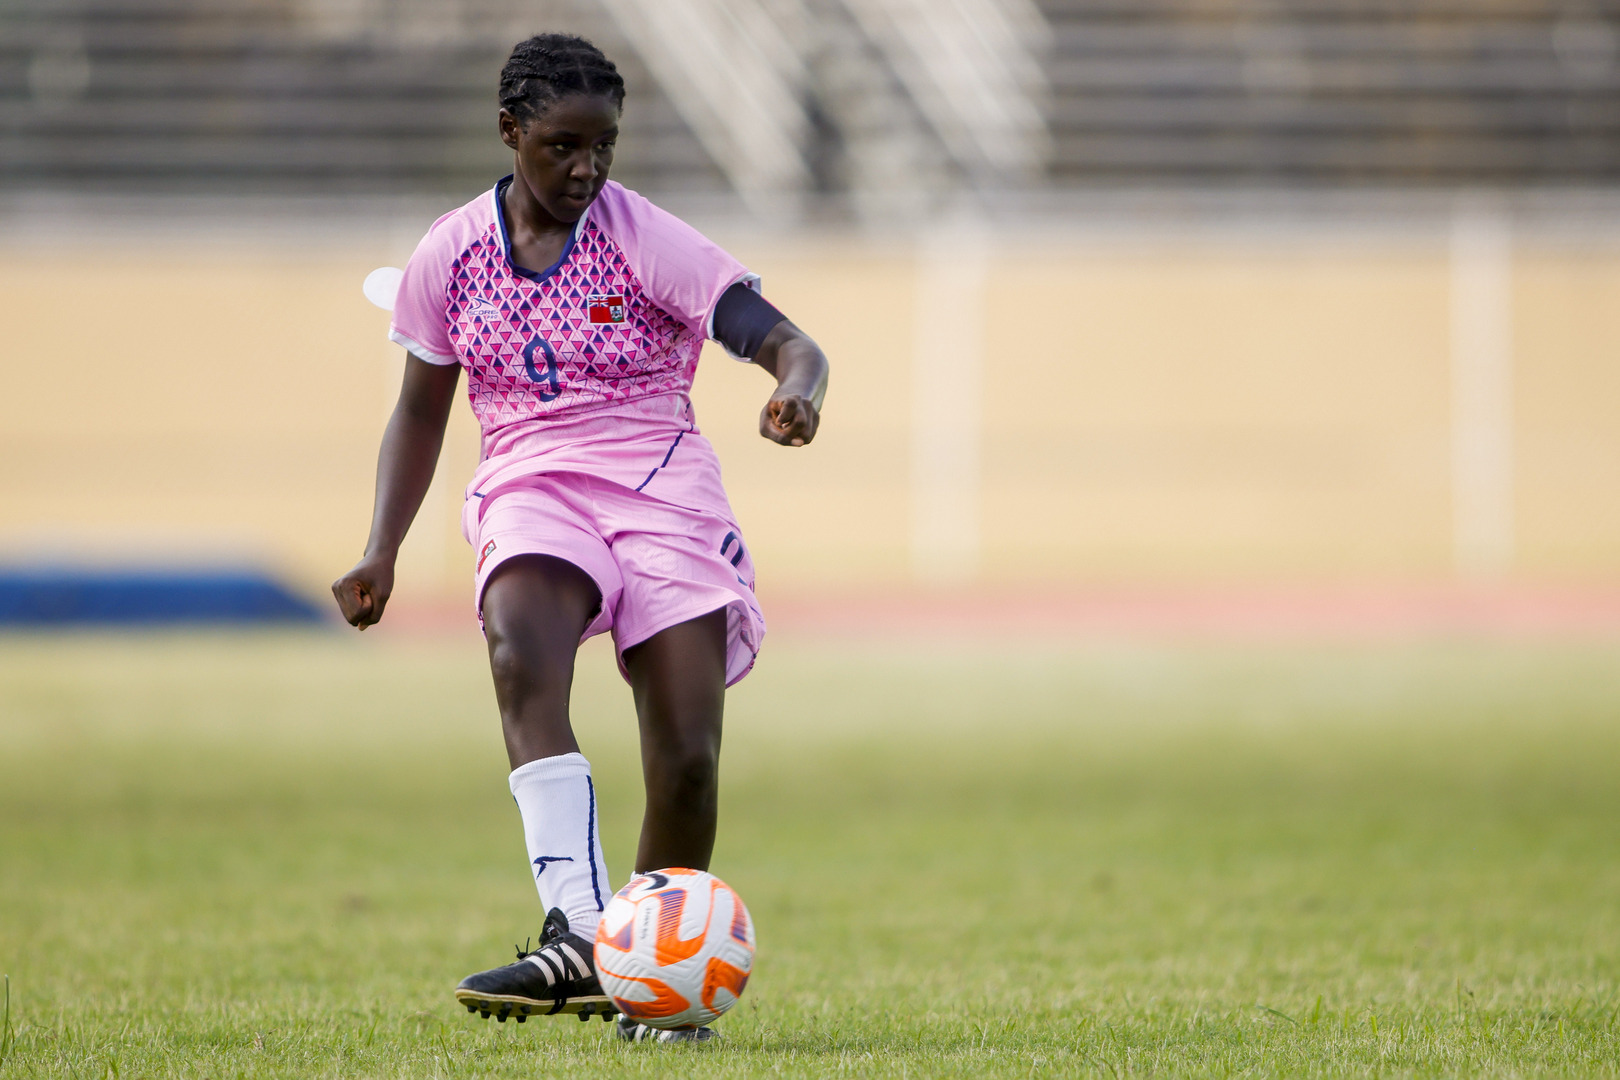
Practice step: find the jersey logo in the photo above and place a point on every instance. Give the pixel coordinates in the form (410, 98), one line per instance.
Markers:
(605, 308)
(489, 549)
(479, 308)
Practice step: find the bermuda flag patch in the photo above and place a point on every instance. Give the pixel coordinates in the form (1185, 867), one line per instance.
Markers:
(482, 555)
(605, 308)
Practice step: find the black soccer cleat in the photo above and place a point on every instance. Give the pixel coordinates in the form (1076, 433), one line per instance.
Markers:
(558, 977)
(633, 1031)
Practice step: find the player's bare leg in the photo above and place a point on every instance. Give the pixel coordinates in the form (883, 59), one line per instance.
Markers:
(535, 609)
(679, 679)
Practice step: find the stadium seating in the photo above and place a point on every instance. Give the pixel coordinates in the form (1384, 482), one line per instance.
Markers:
(332, 97)
(1403, 92)
(278, 97)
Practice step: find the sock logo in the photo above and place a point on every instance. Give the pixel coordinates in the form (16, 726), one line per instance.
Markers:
(542, 861)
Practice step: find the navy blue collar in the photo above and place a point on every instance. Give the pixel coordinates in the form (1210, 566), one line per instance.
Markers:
(506, 241)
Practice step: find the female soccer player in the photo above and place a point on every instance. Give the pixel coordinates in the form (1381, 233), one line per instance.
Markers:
(578, 309)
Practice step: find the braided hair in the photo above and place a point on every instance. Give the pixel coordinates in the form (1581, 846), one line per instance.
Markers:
(547, 67)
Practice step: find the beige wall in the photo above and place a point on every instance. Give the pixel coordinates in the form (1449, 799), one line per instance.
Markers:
(1151, 411)
(1225, 412)
(1567, 346)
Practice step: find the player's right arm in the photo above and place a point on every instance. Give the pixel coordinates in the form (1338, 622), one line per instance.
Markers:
(410, 450)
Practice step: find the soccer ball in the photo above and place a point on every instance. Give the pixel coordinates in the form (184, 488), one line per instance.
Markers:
(674, 948)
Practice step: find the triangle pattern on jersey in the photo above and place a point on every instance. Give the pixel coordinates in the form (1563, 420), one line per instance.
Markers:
(650, 352)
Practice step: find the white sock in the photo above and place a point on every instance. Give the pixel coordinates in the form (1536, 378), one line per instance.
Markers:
(557, 799)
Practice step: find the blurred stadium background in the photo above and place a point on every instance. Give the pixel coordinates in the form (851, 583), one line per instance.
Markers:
(1182, 295)
(1235, 382)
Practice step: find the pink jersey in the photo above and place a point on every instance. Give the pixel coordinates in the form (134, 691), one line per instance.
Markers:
(599, 348)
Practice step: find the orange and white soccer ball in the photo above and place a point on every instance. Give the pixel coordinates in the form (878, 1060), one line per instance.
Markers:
(675, 948)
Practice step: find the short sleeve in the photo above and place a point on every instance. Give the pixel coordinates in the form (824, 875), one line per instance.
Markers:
(421, 310)
(680, 269)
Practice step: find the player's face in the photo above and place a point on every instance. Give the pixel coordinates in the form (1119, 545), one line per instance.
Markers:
(564, 154)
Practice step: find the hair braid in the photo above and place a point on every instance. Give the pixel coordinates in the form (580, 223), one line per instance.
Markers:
(550, 66)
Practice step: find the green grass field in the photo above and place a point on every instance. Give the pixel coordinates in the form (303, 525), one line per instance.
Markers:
(274, 855)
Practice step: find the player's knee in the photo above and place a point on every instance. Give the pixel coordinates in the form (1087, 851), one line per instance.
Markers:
(690, 770)
(520, 673)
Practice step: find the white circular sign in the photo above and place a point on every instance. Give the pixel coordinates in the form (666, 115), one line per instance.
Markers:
(382, 286)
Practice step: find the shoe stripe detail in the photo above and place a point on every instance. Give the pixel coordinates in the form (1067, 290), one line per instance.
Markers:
(552, 970)
(559, 971)
(572, 958)
(561, 960)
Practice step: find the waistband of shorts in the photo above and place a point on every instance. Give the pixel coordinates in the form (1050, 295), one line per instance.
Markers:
(644, 415)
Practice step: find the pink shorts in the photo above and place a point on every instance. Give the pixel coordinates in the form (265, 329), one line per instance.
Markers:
(656, 563)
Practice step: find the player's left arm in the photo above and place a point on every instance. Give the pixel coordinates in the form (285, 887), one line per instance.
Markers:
(793, 413)
(680, 271)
